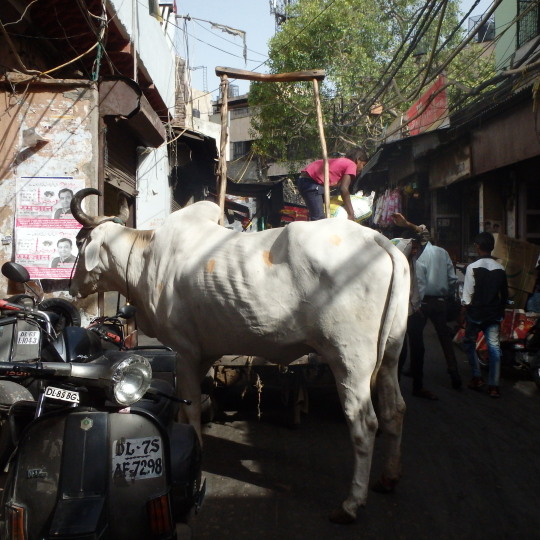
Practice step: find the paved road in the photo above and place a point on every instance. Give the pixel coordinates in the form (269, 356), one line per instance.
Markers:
(471, 469)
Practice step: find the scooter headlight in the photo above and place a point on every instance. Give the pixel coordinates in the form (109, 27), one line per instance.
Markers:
(131, 379)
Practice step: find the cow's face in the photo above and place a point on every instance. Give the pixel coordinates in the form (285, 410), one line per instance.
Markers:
(91, 264)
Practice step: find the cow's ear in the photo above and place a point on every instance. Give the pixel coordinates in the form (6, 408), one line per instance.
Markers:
(92, 250)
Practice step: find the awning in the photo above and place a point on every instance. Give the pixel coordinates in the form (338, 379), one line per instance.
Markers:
(122, 97)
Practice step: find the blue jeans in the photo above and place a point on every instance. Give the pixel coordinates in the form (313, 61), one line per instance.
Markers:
(313, 195)
(492, 334)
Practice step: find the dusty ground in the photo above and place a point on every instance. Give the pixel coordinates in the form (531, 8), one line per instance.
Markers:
(470, 468)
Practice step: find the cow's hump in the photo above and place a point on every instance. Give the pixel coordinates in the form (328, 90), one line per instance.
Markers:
(197, 213)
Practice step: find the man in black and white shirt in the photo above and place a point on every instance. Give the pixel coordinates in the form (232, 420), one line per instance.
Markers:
(485, 295)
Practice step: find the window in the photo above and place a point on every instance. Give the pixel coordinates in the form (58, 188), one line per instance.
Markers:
(528, 25)
(240, 149)
(483, 33)
(241, 112)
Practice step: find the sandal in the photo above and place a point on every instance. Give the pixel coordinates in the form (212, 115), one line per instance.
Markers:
(494, 392)
(426, 394)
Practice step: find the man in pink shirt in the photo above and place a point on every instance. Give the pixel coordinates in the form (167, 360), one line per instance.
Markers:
(342, 171)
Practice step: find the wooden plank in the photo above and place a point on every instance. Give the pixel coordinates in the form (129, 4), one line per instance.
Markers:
(317, 98)
(222, 178)
(314, 74)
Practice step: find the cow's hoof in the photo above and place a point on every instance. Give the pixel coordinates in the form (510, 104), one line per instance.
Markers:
(341, 517)
(384, 485)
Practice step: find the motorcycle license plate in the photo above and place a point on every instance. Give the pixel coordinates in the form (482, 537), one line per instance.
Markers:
(52, 392)
(28, 337)
(137, 459)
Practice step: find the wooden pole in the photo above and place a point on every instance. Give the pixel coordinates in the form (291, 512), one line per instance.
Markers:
(323, 148)
(222, 168)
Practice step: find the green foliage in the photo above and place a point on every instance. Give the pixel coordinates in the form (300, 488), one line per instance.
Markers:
(357, 43)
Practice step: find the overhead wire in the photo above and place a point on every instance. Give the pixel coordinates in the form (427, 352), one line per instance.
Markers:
(472, 33)
(447, 63)
(215, 34)
(478, 91)
(286, 44)
(418, 18)
(463, 43)
(432, 53)
(99, 33)
(394, 59)
(423, 23)
(21, 18)
(437, 72)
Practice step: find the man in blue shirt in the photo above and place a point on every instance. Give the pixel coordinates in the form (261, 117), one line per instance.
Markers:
(436, 282)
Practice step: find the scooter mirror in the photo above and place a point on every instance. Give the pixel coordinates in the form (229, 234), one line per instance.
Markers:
(127, 311)
(15, 272)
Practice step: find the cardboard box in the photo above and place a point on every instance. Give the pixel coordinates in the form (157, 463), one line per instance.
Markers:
(519, 260)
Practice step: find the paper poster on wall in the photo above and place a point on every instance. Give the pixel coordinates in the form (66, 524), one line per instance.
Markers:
(45, 230)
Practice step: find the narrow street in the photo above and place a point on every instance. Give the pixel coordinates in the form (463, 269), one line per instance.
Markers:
(470, 468)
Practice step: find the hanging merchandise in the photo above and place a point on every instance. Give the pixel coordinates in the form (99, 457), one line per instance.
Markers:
(379, 208)
(387, 205)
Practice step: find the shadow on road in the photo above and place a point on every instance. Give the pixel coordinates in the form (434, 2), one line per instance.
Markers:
(470, 468)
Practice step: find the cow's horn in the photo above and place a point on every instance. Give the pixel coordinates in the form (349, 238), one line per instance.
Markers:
(84, 219)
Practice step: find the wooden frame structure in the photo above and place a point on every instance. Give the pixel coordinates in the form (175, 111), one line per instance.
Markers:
(224, 73)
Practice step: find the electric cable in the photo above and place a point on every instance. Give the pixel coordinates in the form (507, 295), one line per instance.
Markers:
(498, 37)
(401, 46)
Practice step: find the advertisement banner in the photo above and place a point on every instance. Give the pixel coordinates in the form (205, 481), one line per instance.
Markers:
(45, 230)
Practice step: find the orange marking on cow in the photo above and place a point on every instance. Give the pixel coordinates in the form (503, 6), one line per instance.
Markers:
(210, 265)
(336, 240)
(267, 258)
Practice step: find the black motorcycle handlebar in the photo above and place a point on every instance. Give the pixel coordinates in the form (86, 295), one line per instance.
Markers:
(96, 373)
(4, 304)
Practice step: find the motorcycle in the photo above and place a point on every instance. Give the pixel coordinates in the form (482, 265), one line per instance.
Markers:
(93, 449)
(532, 346)
(518, 354)
(522, 353)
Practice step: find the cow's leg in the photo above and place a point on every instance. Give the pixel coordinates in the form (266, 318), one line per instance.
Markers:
(390, 412)
(353, 384)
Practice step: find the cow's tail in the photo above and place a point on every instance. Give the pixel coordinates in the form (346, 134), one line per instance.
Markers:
(393, 300)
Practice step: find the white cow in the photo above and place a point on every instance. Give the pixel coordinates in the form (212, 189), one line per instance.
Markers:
(330, 286)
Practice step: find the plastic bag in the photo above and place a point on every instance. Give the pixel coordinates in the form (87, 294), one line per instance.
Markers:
(362, 206)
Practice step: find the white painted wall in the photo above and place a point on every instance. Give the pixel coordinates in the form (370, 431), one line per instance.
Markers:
(67, 118)
(206, 124)
(154, 198)
(155, 47)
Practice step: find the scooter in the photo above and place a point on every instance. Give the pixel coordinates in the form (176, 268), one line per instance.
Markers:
(521, 354)
(95, 452)
(525, 353)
